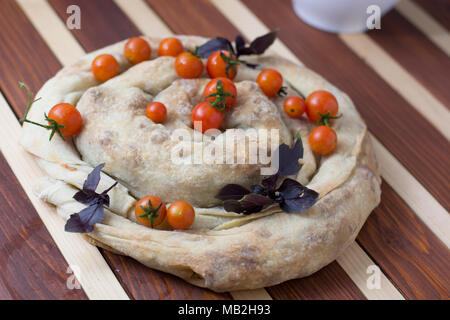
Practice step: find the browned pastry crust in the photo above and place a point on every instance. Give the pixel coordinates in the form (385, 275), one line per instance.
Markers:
(222, 251)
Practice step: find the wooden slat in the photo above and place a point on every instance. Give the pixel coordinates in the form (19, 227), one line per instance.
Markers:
(147, 21)
(414, 142)
(406, 250)
(60, 32)
(425, 23)
(319, 286)
(144, 283)
(31, 267)
(417, 96)
(388, 193)
(22, 61)
(141, 283)
(439, 9)
(95, 276)
(413, 193)
(97, 28)
(416, 53)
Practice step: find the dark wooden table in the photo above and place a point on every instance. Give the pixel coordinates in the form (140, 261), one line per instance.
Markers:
(398, 78)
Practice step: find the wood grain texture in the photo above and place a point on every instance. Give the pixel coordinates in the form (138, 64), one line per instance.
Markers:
(416, 53)
(439, 9)
(429, 26)
(144, 283)
(100, 19)
(308, 288)
(197, 17)
(30, 61)
(391, 202)
(322, 285)
(383, 109)
(31, 266)
(139, 281)
(406, 250)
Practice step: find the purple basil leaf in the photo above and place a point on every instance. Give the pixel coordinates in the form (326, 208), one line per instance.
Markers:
(213, 45)
(290, 189)
(239, 42)
(86, 197)
(296, 197)
(84, 221)
(232, 192)
(270, 183)
(233, 206)
(260, 44)
(288, 158)
(93, 178)
(258, 189)
(249, 204)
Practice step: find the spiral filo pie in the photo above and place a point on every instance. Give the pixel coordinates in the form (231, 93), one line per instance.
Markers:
(222, 250)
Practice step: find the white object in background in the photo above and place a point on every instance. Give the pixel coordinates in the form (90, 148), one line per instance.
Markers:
(339, 16)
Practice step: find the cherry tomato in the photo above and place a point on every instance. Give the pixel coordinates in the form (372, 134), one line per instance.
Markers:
(137, 50)
(156, 111)
(322, 102)
(105, 67)
(323, 140)
(188, 66)
(67, 115)
(228, 87)
(170, 47)
(180, 215)
(216, 66)
(270, 81)
(150, 211)
(210, 117)
(294, 106)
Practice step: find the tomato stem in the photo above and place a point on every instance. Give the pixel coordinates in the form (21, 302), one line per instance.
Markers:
(230, 62)
(325, 118)
(53, 125)
(150, 212)
(221, 95)
(282, 92)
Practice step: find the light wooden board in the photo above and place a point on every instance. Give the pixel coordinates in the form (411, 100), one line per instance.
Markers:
(425, 23)
(149, 23)
(401, 80)
(54, 28)
(355, 260)
(95, 276)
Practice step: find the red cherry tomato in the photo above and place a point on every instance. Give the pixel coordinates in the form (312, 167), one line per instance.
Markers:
(323, 140)
(216, 66)
(321, 102)
(137, 50)
(227, 86)
(170, 47)
(105, 67)
(294, 106)
(270, 81)
(67, 115)
(180, 215)
(188, 66)
(208, 116)
(150, 211)
(156, 111)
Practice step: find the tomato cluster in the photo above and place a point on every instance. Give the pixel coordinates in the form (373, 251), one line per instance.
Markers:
(321, 107)
(150, 211)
